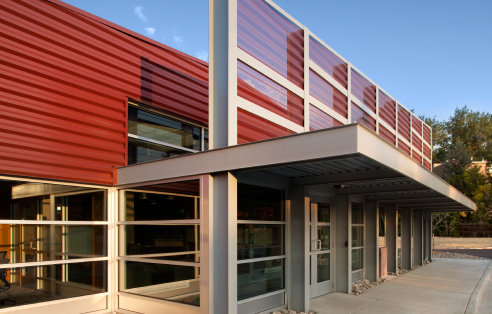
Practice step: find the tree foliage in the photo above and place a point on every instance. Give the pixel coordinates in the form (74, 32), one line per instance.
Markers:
(465, 137)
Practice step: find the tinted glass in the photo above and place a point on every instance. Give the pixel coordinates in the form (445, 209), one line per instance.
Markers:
(152, 239)
(324, 237)
(86, 207)
(169, 282)
(357, 213)
(357, 262)
(35, 243)
(47, 283)
(259, 203)
(259, 278)
(357, 236)
(323, 267)
(153, 206)
(323, 212)
(163, 129)
(141, 151)
(254, 241)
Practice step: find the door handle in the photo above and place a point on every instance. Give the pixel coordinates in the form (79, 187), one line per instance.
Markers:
(318, 245)
(315, 246)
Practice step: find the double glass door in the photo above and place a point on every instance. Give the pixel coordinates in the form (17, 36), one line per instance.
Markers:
(321, 257)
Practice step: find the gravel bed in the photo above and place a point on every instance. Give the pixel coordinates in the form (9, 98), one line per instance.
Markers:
(444, 254)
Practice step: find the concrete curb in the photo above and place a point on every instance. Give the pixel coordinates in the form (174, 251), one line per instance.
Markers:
(477, 295)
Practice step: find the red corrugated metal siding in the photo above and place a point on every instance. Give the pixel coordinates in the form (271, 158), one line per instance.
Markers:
(252, 128)
(416, 156)
(327, 94)
(404, 147)
(417, 143)
(363, 90)
(387, 109)
(359, 115)
(264, 92)
(427, 152)
(404, 123)
(271, 38)
(328, 61)
(319, 119)
(417, 125)
(427, 131)
(386, 135)
(64, 81)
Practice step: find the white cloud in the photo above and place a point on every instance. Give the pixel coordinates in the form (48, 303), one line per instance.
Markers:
(178, 40)
(149, 31)
(202, 54)
(139, 12)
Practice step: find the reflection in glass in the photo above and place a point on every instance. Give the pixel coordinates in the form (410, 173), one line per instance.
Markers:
(169, 282)
(153, 206)
(29, 285)
(324, 237)
(323, 212)
(254, 240)
(259, 203)
(85, 206)
(154, 239)
(357, 213)
(357, 236)
(35, 243)
(259, 278)
(357, 262)
(142, 151)
(323, 267)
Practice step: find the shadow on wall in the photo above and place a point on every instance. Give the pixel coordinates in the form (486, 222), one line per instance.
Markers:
(173, 91)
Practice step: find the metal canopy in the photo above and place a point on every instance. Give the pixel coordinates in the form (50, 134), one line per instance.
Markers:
(350, 158)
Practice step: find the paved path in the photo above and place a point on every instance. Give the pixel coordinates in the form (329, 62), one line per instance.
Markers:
(443, 286)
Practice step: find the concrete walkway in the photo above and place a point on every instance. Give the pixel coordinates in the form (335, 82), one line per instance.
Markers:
(443, 286)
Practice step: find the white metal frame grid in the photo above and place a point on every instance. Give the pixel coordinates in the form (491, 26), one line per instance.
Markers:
(237, 54)
(90, 188)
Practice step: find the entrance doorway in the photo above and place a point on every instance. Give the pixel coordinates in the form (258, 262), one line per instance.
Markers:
(321, 248)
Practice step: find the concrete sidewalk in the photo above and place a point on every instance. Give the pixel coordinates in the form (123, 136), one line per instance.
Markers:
(443, 286)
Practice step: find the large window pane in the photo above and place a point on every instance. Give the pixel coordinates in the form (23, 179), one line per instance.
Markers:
(324, 237)
(170, 282)
(86, 207)
(323, 212)
(142, 151)
(259, 203)
(153, 206)
(35, 243)
(145, 239)
(259, 278)
(163, 129)
(357, 262)
(357, 236)
(357, 217)
(28, 285)
(254, 241)
(323, 267)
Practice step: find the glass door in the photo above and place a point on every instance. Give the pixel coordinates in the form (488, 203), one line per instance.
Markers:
(321, 257)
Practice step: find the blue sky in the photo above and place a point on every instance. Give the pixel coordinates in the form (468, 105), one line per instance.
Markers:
(432, 56)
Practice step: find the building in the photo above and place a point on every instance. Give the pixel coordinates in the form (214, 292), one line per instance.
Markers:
(96, 218)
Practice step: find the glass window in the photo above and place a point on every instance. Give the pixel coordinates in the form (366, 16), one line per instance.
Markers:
(255, 240)
(323, 212)
(357, 217)
(153, 136)
(357, 236)
(258, 278)
(258, 203)
(357, 262)
(160, 242)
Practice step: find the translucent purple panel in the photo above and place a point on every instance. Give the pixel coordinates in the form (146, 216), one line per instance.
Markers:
(404, 147)
(360, 116)
(404, 123)
(387, 135)
(417, 124)
(327, 94)
(427, 132)
(271, 38)
(417, 142)
(387, 109)
(264, 92)
(363, 90)
(319, 119)
(328, 61)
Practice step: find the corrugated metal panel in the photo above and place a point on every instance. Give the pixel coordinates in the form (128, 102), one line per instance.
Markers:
(363, 90)
(404, 123)
(417, 125)
(417, 156)
(321, 120)
(427, 131)
(327, 94)
(359, 115)
(387, 135)
(416, 142)
(404, 147)
(264, 92)
(328, 61)
(387, 109)
(64, 81)
(427, 152)
(271, 38)
(252, 128)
